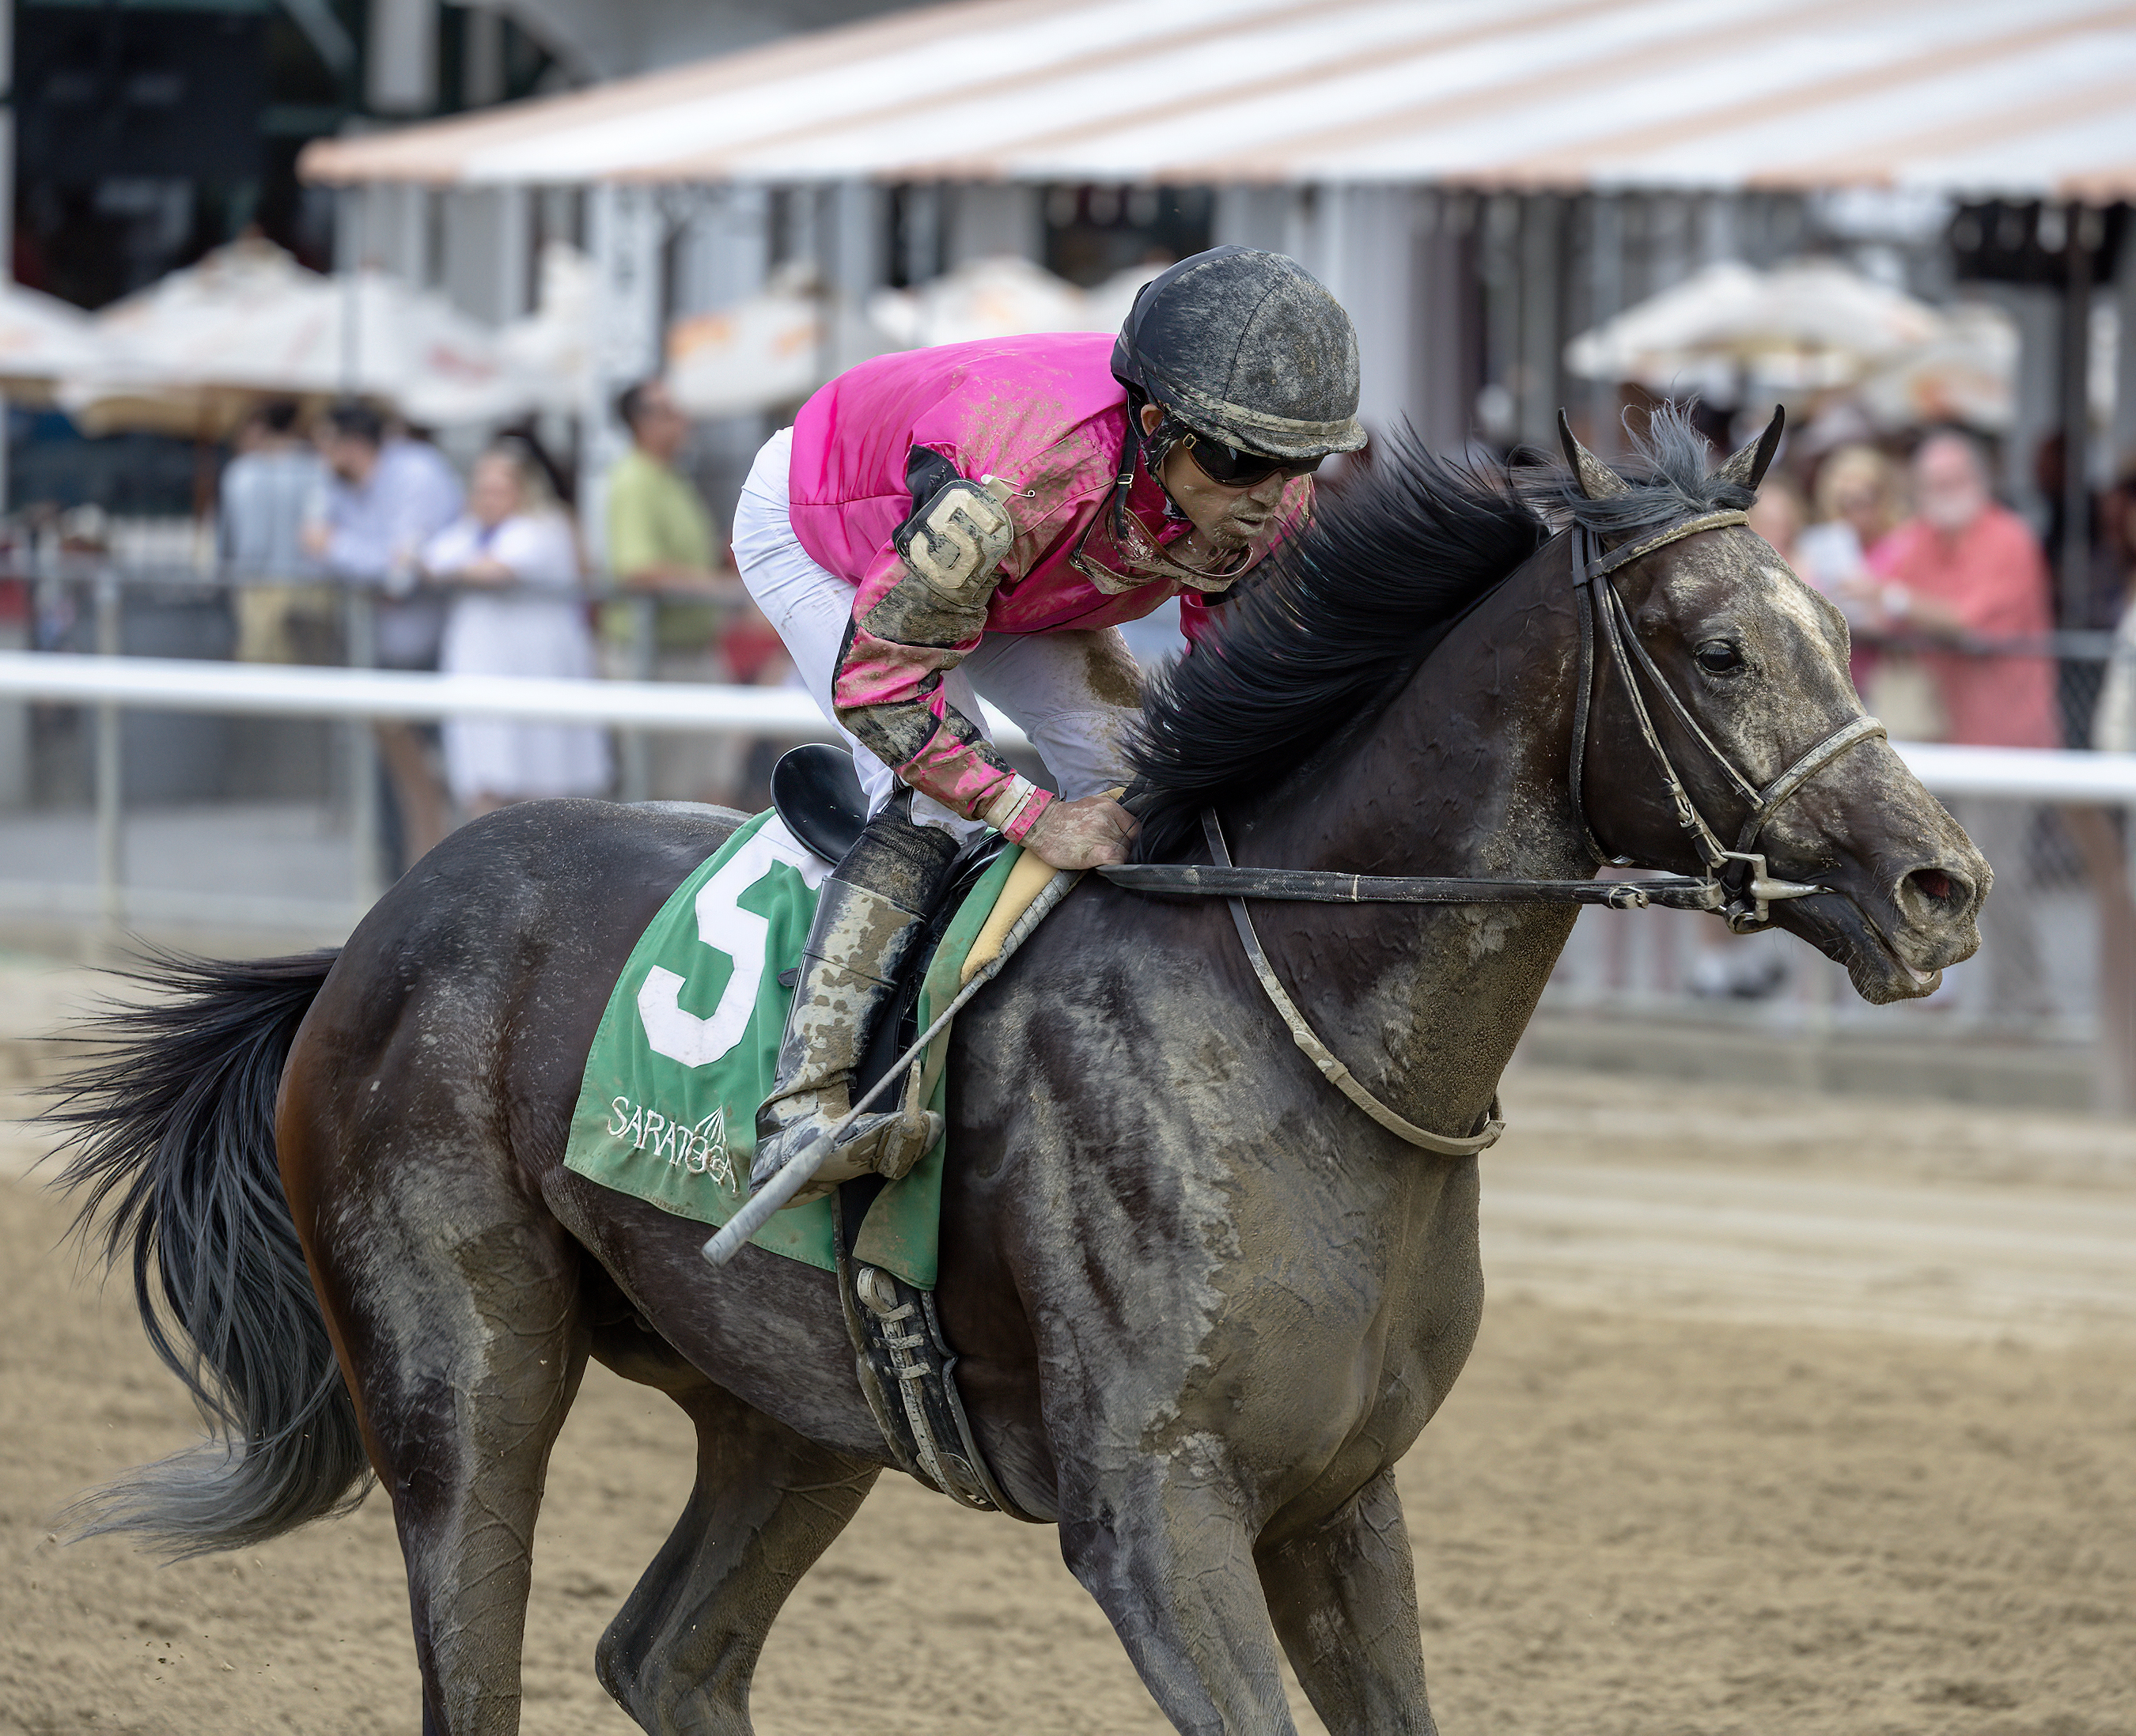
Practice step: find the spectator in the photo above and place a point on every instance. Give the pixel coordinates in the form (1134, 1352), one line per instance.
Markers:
(2113, 723)
(1965, 569)
(1777, 515)
(1857, 497)
(388, 499)
(274, 485)
(518, 612)
(659, 540)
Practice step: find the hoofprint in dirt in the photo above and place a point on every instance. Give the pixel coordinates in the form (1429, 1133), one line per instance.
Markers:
(1631, 1516)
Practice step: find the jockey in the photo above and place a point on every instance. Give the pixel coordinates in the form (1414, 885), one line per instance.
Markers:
(976, 519)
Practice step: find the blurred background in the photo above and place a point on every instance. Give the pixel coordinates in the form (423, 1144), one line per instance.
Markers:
(468, 224)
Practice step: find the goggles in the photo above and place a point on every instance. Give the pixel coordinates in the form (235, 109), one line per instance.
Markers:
(1233, 467)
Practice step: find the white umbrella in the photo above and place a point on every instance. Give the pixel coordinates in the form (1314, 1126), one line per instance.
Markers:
(549, 353)
(192, 352)
(768, 351)
(43, 338)
(999, 297)
(764, 352)
(1106, 306)
(1967, 373)
(1803, 327)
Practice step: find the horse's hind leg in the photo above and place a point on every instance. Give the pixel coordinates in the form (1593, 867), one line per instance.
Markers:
(455, 1300)
(679, 1655)
(1343, 1598)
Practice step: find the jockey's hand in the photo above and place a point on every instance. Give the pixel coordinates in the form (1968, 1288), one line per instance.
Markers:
(1082, 833)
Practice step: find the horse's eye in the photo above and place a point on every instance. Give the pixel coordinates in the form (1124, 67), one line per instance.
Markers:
(1717, 657)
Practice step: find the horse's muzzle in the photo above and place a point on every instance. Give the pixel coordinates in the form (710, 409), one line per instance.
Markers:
(1896, 935)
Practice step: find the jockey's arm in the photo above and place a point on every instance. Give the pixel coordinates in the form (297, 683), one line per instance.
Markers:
(921, 609)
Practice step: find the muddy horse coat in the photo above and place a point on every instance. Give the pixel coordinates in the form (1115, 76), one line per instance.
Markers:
(1204, 1303)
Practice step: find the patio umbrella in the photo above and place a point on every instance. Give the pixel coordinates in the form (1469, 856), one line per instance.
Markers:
(193, 352)
(1809, 327)
(1106, 306)
(42, 339)
(1967, 373)
(549, 353)
(999, 297)
(764, 352)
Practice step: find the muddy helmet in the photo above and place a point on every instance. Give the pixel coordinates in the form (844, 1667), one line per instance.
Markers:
(1247, 348)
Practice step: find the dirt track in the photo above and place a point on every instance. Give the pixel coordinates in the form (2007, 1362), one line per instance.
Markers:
(1785, 1418)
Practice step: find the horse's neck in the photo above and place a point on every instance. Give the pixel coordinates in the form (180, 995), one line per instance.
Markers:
(1464, 774)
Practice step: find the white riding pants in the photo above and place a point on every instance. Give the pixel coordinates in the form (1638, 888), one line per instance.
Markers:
(1042, 681)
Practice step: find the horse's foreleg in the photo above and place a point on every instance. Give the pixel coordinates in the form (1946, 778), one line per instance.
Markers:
(680, 1654)
(1343, 1598)
(1171, 1564)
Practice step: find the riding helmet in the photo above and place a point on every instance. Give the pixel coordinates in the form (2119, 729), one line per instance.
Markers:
(1247, 348)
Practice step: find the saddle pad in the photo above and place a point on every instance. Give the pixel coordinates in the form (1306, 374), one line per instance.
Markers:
(667, 1108)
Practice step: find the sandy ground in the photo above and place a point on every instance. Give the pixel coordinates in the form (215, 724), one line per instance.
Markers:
(1812, 1417)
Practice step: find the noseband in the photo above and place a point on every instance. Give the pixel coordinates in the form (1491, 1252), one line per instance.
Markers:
(1736, 884)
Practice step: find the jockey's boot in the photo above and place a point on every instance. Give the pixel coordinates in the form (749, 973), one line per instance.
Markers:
(872, 909)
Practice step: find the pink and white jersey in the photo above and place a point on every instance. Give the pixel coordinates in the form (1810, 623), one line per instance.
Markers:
(1043, 416)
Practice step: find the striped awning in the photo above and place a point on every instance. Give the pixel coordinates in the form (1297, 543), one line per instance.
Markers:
(2020, 99)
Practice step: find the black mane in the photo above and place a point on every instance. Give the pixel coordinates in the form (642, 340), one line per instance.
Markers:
(1344, 613)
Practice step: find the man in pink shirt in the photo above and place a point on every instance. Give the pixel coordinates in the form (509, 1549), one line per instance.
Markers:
(976, 519)
(1965, 569)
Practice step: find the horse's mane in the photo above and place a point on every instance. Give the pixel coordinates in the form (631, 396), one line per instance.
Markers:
(1344, 612)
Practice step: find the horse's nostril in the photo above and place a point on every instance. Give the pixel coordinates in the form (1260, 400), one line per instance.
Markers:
(1937, 885)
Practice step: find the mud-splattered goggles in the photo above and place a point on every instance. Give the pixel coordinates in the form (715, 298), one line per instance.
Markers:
(1233, 467)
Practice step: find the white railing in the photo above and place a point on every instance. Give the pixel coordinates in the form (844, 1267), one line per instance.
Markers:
(174, 683)
(355, 696)
(113, 684)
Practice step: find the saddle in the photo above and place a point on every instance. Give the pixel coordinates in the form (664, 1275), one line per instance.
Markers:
(905, 1365)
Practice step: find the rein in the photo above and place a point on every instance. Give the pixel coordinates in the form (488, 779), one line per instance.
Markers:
(1603, 618)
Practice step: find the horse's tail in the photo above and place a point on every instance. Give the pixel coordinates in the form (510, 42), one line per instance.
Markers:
(172, 1143)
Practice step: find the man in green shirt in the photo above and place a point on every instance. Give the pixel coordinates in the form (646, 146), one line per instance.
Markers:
(659, 540)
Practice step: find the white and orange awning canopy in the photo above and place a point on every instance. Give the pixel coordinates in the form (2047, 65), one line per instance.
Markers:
(2023, 98)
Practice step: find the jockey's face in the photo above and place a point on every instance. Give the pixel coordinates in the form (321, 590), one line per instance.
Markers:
(1227, 518)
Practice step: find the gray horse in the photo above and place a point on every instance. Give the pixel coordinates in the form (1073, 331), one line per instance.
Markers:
(1205, 1303)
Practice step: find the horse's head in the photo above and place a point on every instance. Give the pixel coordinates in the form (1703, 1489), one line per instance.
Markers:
(1759, 660)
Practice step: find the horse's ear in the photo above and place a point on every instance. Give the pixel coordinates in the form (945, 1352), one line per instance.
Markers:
(1748, 466)
(1597, 480)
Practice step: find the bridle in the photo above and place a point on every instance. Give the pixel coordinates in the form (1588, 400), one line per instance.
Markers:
(1604, 617)
(1736, 884)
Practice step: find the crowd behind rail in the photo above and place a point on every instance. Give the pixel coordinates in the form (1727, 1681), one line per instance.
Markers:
(352, 541)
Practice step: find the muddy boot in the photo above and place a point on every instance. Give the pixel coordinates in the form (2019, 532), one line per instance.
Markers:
(870, 915)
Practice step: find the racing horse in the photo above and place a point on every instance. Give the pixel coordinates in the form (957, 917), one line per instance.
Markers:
(1204, 1302)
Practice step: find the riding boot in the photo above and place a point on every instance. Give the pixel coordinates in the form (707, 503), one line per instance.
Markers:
(871, 914)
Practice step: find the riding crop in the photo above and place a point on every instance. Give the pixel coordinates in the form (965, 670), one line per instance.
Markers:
(814, 1152)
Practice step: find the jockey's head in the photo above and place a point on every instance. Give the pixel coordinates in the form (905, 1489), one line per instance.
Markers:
(1248, 362)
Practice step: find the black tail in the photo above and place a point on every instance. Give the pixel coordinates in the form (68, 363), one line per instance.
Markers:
(173, 1147)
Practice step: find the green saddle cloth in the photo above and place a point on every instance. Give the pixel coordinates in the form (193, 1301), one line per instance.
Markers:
(666, 1110)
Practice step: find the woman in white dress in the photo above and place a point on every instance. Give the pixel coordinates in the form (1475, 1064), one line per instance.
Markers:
(513, 566)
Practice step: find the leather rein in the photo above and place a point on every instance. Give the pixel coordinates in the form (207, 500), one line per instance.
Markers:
(1603, 622)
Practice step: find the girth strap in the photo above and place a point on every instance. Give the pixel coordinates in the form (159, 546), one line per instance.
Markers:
(1318, 1053)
